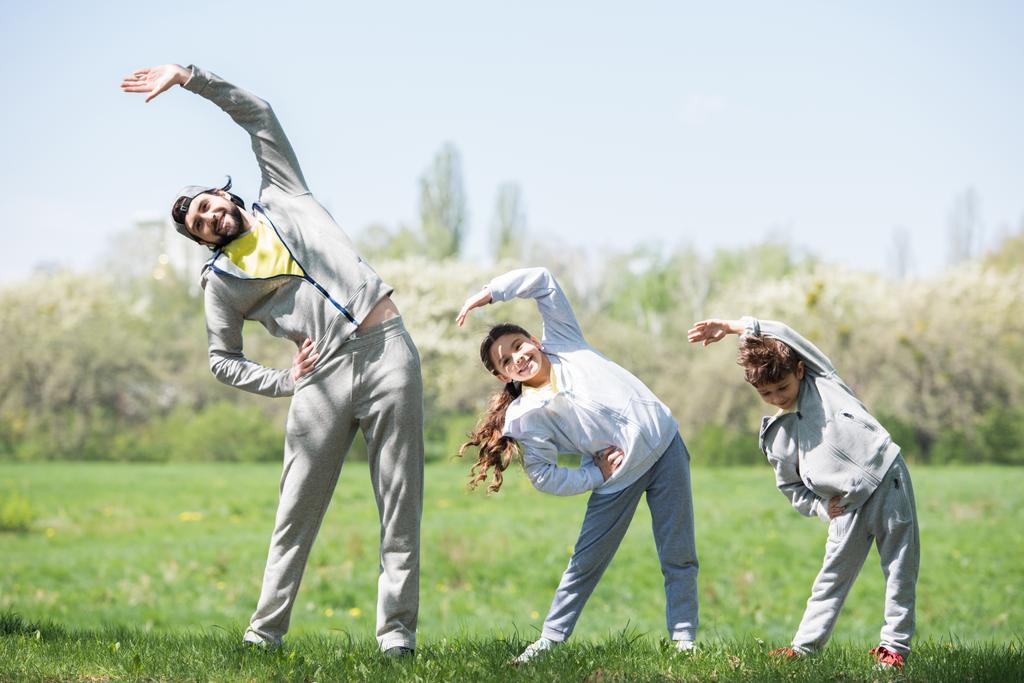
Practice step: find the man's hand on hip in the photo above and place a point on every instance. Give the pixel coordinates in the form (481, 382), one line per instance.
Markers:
(304, 360)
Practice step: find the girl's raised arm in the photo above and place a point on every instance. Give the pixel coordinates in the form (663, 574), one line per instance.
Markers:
(560, 324)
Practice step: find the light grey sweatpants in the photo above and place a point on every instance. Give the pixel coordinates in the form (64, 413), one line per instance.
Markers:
(371, 382)
(667, 485)
(889, 518)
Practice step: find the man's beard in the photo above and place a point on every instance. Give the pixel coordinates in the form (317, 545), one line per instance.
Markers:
(233, 214)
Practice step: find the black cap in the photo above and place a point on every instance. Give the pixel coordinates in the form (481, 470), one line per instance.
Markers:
(179, 209)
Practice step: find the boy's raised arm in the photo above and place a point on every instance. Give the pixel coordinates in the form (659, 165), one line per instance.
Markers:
(278, 165)
(712, 330)
(813, 358)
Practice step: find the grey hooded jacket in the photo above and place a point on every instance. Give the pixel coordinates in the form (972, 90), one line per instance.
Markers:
(831, 445)
(327, 304)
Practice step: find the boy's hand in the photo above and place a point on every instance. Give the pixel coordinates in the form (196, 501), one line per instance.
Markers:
(304, 360)
(155, 80)
(715, 329)
(834, 508)
(481, 298)
(609, 460)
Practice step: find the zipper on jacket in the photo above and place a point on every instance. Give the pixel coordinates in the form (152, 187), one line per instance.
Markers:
(306, 276)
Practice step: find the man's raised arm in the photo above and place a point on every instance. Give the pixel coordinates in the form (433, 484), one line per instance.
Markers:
(278, 164)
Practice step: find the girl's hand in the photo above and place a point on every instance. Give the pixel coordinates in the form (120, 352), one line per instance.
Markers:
(155, 80)
(481, 298)
(304, 360)
(609, 460)
(834, 508)
(710, 331)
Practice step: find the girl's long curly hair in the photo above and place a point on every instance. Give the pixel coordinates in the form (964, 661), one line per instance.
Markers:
(494, 451)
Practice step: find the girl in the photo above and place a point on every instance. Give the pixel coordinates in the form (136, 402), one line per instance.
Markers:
(562, 396)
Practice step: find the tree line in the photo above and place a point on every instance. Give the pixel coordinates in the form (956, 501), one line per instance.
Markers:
(111, 364)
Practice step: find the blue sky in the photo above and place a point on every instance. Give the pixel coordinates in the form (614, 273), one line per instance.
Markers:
(712, 124)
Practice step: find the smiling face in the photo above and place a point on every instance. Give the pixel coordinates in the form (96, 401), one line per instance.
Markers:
(214, 219)
(784, 393)
(517, 357)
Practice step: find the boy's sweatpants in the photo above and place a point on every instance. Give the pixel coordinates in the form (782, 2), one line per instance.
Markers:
(667, 485)
(889, 518)
(371, 382)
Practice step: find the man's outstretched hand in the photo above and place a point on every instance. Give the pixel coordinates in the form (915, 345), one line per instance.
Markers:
(155, 80)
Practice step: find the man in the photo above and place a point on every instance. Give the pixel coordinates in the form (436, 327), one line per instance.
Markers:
(288, 265)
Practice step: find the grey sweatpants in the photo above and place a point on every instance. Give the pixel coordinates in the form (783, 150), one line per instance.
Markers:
(372, 382)
(889, 518)
(667, 485)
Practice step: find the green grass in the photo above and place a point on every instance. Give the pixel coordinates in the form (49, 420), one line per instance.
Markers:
(167, 560)
(30, 651)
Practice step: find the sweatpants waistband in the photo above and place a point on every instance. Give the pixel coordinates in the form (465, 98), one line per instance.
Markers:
(373, 336)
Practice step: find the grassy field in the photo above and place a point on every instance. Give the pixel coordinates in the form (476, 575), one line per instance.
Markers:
(169, 557)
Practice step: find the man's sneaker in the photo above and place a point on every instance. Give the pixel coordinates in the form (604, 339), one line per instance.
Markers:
(786, 653)
(398, 652)
(888, 659)
(684, 646)
(533, 649)
(254, 643)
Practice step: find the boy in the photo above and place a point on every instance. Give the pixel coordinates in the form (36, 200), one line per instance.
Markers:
(833, 460)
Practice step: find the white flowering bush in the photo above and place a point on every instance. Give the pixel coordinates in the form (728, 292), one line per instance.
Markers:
(98, 368)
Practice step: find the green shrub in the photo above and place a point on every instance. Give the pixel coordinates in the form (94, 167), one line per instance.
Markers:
(443, 435)
(15, 512)
(1001, 436)
(222, 431)
(905, 435)
(953, 446)
(715, 445)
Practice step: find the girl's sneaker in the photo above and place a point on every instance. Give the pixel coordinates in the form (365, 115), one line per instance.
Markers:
(786, 653)
(533, 649)
(888, 659)
(684, 646)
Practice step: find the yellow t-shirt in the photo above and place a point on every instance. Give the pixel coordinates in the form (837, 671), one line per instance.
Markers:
(783, 411)
(551, 388)
(261, 253)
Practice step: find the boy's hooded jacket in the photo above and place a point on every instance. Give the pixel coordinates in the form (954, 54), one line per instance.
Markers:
(830, 445)
(324, 299)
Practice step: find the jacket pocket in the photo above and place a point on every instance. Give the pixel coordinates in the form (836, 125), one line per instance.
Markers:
(855, 441)
(855, 476)
(837, 528)
(862, 422)
(899, 510)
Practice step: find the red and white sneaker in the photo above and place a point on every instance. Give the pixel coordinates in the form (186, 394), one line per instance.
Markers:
(786, 653)
(888, 659)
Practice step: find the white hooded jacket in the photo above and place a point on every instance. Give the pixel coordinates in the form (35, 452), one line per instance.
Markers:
(598, 403)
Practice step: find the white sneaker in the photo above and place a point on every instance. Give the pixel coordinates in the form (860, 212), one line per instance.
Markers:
(684, 646)
(254, 642)
(533, 649)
